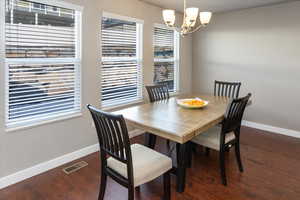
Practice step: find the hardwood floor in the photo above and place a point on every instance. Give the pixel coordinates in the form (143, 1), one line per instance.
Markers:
(271, 164)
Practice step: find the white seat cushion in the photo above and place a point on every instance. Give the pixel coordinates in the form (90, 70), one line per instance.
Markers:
(211, 138)
(147, 164)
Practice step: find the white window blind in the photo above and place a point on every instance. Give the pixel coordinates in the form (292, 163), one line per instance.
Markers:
(121, 74)
(166, 58)
(42, 47)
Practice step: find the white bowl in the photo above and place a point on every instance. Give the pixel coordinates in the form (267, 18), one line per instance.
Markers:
(180, 103)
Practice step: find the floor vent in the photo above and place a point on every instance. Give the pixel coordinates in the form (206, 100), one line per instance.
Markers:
(75, 167)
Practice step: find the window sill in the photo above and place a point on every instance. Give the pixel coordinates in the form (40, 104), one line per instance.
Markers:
(173, 94)
(121, 106)
(43, 122)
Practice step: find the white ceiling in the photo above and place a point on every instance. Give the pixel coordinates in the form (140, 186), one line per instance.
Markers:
(214, 5)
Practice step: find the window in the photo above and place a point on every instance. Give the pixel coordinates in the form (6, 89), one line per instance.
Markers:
(42, 60)
(121, 74)
(166, 57)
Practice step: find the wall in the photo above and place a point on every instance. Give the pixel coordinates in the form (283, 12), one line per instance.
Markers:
(261, 48)
(25, 148)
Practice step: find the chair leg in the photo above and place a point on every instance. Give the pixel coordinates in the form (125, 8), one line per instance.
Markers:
(222, 167)
(238, 156)
(138, 188)
(167, 186)
(131, 193)
(207, 150)
(150, 140)
(102, 185)
(227, 149)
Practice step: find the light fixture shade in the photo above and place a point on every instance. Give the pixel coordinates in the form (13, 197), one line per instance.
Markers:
(205, 17)
(169, 17)
(192, 13)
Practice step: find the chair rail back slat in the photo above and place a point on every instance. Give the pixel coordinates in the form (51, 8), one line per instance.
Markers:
(234, 114)
(227, 89)
(112, 134)
(158, 92)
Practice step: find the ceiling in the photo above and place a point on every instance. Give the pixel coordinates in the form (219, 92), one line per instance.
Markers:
(214, 5)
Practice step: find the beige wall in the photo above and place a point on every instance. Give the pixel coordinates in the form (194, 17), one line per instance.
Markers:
(261, 48)
(25, 148)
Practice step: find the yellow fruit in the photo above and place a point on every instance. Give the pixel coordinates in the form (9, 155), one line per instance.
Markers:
(194, 102)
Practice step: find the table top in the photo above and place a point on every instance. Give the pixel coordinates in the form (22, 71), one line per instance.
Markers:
(168, 120)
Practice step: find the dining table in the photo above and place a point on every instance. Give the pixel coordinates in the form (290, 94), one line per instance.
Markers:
(166, 119)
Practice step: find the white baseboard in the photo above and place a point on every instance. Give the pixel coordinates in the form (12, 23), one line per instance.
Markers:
(272, 129)
(45, 166)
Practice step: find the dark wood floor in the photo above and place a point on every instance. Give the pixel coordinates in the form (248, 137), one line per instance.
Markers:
(272, 172)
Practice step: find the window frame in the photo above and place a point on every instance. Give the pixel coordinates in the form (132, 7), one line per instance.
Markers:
(176, 58)
(139, 59)
(77, 61)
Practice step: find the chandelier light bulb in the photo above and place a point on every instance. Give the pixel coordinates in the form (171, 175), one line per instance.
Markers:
(191, 16)
(192, 13)
(189, 19)
(169, 17)
(205, 17)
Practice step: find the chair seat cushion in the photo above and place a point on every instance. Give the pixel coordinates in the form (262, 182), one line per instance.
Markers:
(147, 164)
(211, 138)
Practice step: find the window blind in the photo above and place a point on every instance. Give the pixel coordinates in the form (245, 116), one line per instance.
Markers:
(31, 34)
(42, 61)
(121, 77)
(165, 57)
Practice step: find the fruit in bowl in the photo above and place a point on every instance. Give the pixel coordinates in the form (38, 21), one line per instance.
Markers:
(192, 103)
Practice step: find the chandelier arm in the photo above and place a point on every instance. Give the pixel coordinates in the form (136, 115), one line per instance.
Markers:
(173, 27)
(187, 27)
(197, 28)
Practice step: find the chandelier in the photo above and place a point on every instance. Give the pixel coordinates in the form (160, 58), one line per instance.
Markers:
(190, 17)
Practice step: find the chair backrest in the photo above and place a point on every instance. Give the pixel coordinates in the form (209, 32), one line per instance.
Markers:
(158, 92)
(234, 114)
(227, 89)
(112, 135)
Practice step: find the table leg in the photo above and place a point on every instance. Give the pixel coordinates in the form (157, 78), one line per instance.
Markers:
(189, 154)
(181, 166)
(150, 140)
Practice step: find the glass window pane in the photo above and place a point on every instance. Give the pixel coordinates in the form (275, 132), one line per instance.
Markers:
(121, 71)
(30, 34)
(164, 57)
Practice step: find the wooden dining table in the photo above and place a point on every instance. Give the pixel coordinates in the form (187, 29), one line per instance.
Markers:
(168, 120)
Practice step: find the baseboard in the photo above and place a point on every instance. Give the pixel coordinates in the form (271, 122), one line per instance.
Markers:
(272, 129)
(45, 166)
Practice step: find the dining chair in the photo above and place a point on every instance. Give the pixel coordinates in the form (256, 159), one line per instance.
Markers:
(226, 136)
(227, 89)
(129, 165)
(156, 93)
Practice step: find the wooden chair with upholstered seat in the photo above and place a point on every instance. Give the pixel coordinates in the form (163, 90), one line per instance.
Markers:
(156, 93)
(129, 165)
(228, 134)
(227, 89)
